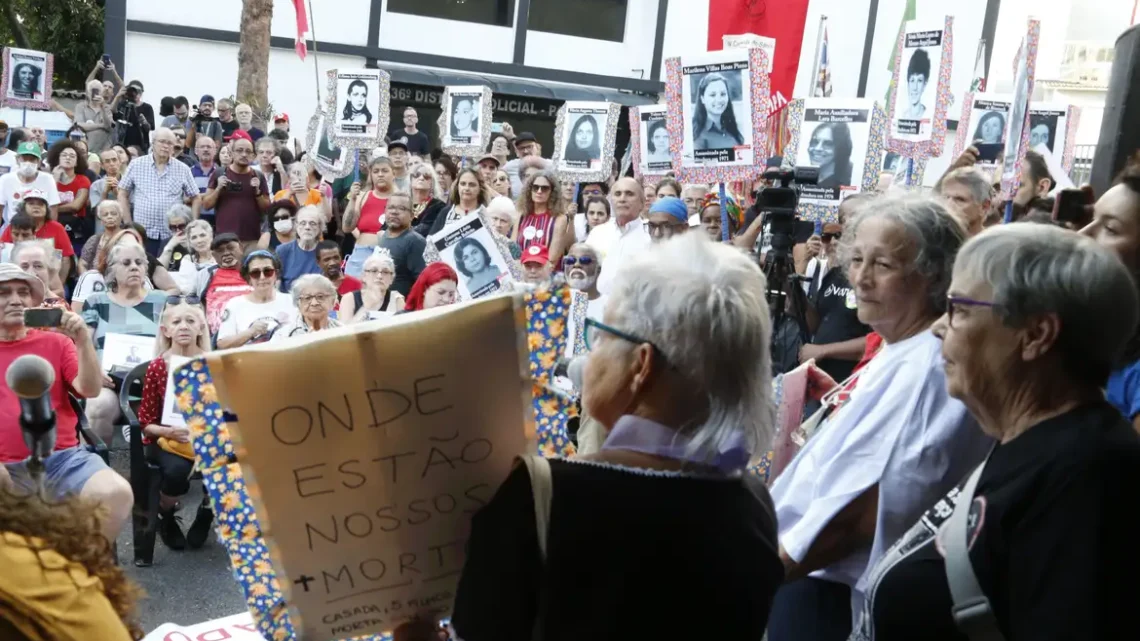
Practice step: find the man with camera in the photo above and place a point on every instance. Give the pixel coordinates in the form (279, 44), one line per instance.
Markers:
(65, 343)
(238, 193)
(134, 119)
(203, 122)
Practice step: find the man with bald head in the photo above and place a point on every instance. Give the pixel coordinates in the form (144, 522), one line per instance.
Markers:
(624, 235)
(155, 183)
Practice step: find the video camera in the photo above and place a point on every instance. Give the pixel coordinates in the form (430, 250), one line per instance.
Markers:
(780, 203)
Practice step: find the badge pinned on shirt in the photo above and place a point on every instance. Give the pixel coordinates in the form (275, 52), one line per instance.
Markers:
(851, 302)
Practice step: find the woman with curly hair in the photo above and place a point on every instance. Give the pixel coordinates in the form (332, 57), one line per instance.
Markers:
(60, 580)
(542, 217)
(68, 164)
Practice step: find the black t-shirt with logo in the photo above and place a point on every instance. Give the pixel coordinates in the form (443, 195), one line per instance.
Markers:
(1053, 540)
(838, 321)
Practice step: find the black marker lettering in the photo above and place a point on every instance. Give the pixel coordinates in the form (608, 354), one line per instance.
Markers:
(291, 427)
(408, 562)
(431, 461)
(444, 501)
(323, 409)
(420, 394)
(394, 458)
(381, 571)
(393, 523)
(297, 481)
(310, 530)
(362, 530)
(416, 507)
(342, 572)
(476, 451)
(343, 469)
(377, 402)
(472, 493)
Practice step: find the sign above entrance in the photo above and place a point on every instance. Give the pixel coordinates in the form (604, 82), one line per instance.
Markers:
(424, 96)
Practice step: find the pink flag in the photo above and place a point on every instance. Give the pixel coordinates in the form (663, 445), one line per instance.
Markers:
(302, 27)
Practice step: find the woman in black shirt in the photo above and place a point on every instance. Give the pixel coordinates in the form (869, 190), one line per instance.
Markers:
(1035, 318)
(656, 536)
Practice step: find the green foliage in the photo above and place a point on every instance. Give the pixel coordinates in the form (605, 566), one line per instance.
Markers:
(71, 30)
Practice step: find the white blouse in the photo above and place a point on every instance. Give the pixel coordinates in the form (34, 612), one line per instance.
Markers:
(899, 429)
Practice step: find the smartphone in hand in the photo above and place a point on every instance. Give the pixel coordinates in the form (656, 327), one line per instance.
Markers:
(1072, 206)
(41, 317)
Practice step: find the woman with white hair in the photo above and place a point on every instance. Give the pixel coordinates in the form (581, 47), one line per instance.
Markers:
(93, 116)
(427, 197)
(110, 215)
(126, 307)
(501, 216)
(1035, 320)
(889, 448)
(177, 248)
(375, 299)
(199, 237)
(678, 373)
(314, 297)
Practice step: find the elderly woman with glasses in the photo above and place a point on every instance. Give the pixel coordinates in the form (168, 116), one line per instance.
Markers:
(178, 247)
(375, 299)
(109, 213)
(886, 450)
(127, 306)
(255, 317)
(678, 374)
(1035, 320)
(427, 197)
(314, 296)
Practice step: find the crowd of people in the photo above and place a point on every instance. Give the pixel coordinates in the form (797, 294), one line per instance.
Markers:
(983, 380)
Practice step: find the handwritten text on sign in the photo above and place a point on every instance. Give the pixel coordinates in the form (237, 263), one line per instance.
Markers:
(371, 449)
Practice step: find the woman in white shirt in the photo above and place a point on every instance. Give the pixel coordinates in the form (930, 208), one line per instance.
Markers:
(199, 236)
(891, 446)
(254, 317)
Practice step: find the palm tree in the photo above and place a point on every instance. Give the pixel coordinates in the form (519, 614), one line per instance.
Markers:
(253, 56)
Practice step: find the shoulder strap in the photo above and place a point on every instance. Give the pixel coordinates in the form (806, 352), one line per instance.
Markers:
(972, 611)
(542, 486)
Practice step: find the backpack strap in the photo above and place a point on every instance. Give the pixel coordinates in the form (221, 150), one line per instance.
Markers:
(972, 611)
(542, 486)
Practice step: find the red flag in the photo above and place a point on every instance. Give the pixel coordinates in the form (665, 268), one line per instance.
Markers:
(780, 19)
(302, 27)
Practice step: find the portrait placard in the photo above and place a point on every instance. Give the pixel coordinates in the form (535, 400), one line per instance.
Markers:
(26, 81)
(1017, 130)
(1050, 124)
(125, 351)
(649, 132)
(1072, 123)
(844, 139)
(983, 125)
(171, 415)
(468, 247)
(921, 85)
(717, 114)
(323, 152)
(364, 474)
(358, 106)
(584, 137)
(465, 120)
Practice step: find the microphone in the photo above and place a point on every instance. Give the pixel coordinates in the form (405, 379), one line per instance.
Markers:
(31, 378)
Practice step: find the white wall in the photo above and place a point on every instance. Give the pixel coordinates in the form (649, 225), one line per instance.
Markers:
(686, 30)
(630, 58)
(846, 33)
(405, 32)
(335, 20)
(292, 87)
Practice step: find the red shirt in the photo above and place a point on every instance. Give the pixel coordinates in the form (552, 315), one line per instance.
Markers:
(67, 193)
(58, 350)
(153, 395)
(347, 285)
(224, 286)
(52, 231)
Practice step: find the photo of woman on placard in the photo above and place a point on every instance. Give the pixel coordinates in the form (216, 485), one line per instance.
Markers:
(474, 262)
(990, 129)
(356, 106)
(714, 120)
(464, 117)
(584, 143)
(830, 149)
(657, 142)
(1042, 130)
(917, 77)
(25, 83)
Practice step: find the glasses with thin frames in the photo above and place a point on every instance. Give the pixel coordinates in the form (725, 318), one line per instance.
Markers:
(306, 299)
(593, 327)
(953, 302)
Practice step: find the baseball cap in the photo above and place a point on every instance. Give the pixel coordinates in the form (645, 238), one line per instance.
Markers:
(281, 117)
(488, 157)
(536, 254)
(10, 272)
(137, 84)
(241, 134)
(34, 193)
(224, 239)
(525, 136)
(207, 98)
(29, 148)
(397, 143)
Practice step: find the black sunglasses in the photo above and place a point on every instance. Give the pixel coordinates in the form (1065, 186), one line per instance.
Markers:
(178, 300)
(828, 237)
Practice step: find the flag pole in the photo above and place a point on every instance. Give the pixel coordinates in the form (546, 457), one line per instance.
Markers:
(818, 48)
(316, 66)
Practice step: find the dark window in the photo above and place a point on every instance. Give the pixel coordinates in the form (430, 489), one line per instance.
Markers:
(597, 19)
(499, 13)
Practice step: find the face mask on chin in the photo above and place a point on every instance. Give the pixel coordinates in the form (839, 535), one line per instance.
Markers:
(283, 226)
(27, 170)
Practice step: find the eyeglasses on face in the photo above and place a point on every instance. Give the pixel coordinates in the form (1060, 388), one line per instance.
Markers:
(307, 299)
(265, 272)
(595, 328)
(379, 272)
(283, 217)
(177, 227)
(540, 189)
(178, 300)
(664, 230)
(828, 237)
(584, 261)
(423, 175)
(955, 302)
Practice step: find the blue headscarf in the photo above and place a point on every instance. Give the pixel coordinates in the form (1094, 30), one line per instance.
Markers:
(671, 205)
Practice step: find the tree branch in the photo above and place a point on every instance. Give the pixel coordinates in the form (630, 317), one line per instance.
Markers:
(13, 21)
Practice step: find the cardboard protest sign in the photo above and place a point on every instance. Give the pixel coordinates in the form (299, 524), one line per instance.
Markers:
(366, 451)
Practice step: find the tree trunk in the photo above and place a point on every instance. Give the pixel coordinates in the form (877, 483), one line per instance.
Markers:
(14, 25)
(253, 57)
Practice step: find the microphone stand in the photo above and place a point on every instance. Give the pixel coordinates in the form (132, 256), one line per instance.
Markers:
(37, 422)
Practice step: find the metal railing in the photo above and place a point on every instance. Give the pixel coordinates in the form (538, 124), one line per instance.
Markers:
(1082, 164)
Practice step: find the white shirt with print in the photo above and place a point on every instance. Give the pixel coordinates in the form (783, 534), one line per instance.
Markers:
(240, 313)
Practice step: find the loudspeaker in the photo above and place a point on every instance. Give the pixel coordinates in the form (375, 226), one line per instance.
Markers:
(1120, 126)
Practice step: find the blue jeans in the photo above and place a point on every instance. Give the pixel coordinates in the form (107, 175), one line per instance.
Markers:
(65, 472)
(810, 610)
(354, 266)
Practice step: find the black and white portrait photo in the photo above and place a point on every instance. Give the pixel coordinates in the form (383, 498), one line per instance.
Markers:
(916, 91)
(465, 120)
(1044, 126)
(468, 247)
(358, 103)
(582, 136)
(465, 110)
(656, 156)
(716, 99)
(324, 149)
(27, 78)
(833, 138)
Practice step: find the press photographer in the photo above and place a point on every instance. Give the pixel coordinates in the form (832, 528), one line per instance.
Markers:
(203, 122)
(134, 118)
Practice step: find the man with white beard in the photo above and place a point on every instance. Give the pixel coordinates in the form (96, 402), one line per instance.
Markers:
(581, 267)
(27, 178)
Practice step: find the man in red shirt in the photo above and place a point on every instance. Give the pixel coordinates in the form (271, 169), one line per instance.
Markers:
(238, 194)
(71, 470)
(35, 205)
(329, 259)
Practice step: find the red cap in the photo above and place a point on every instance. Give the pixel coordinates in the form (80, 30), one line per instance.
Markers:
(536, 254)
(241, 134)
(281, 117)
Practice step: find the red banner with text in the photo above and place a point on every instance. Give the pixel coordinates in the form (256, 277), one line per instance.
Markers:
(779, 19)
